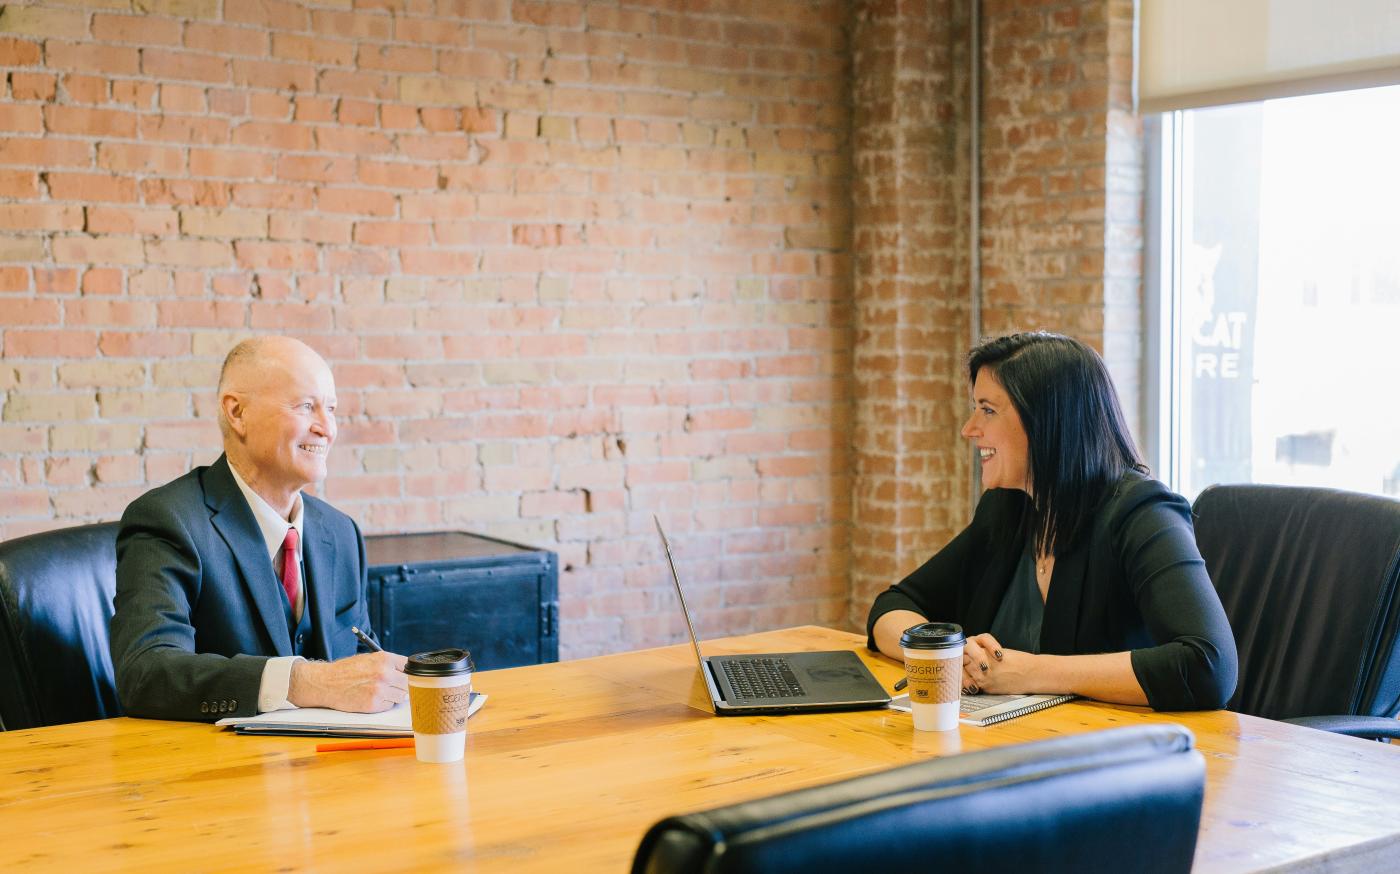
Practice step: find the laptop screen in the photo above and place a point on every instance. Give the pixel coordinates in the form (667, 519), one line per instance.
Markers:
(675, 578)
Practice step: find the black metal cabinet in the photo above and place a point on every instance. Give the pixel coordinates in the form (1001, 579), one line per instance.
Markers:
(450, 588)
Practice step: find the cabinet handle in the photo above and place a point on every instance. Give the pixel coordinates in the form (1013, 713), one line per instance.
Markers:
(549, 618)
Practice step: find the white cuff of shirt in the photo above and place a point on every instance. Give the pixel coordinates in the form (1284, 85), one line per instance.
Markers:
(276, 684)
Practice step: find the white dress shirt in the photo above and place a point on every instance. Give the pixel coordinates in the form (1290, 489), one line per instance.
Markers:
(277, 673)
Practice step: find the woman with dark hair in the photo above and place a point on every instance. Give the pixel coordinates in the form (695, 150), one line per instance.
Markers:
(1079, 572)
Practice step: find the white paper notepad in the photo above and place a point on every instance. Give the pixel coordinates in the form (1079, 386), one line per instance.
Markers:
(318, 722)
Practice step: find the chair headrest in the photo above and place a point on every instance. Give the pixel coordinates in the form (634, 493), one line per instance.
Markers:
(1059, 805)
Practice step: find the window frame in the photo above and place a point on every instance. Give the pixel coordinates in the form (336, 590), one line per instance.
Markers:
(1162, 378)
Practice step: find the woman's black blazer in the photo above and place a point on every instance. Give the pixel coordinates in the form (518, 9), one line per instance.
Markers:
(1136, 582)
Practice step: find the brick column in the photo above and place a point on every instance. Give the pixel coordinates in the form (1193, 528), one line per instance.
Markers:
(1124, 186)
(910, 202)
(1061, 238)
(1063, 178)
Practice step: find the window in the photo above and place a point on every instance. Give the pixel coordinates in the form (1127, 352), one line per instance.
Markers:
(1274, 285)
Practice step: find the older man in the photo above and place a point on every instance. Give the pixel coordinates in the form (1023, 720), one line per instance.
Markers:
(236, 592)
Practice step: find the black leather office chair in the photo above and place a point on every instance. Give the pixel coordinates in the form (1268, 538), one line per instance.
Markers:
(1310, 579)
(1121, 799)
(55, 605)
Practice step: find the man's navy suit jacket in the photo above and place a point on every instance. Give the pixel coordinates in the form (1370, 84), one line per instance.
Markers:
(199, 608)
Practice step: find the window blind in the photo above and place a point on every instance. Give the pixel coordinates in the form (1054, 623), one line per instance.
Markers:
(1194, 53)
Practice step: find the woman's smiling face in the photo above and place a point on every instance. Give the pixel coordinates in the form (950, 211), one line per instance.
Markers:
(995, 429)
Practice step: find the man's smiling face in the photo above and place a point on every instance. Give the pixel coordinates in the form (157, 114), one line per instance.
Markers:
(285, 414)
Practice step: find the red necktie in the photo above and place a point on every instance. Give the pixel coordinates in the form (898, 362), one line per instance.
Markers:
(290, 578)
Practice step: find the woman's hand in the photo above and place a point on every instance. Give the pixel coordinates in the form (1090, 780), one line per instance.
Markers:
(989, 668)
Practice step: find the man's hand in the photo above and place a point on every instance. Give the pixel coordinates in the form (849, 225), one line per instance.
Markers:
(365, 683)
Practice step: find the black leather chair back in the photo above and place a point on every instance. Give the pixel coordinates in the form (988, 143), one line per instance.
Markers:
(1122, 799)
(56, 594)
(1310, 579)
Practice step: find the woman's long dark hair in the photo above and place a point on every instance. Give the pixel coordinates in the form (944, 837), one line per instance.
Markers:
(1079, 442)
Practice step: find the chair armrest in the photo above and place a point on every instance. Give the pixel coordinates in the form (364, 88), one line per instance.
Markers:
(1374, 727)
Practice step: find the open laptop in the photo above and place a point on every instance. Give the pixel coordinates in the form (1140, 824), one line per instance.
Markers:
(786, 682)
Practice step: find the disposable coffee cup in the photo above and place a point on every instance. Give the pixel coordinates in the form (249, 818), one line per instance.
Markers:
(933, 663)
(439, 695)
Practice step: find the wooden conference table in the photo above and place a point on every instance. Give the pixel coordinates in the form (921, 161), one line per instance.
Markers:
(568, 764)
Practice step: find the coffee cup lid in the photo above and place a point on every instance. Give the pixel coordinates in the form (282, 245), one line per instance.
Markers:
(932, 635)
(439, 663)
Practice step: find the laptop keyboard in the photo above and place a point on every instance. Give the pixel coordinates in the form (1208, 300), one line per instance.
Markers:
(762, 678)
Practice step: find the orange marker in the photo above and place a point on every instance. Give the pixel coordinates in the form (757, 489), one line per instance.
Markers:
(393, 743)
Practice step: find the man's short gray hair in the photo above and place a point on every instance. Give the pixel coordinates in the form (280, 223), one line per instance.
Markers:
(239, 356)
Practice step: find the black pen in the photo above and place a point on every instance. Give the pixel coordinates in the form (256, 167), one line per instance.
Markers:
(903, 681)
(365, 639)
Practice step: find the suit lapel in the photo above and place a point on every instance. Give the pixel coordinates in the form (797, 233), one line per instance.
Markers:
(233, 519)
(318, 553)
(1060, 627)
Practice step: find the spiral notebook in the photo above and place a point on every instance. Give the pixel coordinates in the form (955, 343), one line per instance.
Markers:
(991, 709)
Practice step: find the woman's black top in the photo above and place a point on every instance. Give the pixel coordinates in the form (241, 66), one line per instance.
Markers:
(1018, 620)
(1136, 582)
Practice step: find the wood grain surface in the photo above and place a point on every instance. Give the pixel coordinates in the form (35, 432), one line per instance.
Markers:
(569, 763)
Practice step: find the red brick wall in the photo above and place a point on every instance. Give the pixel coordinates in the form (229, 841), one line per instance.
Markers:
(571, 264)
